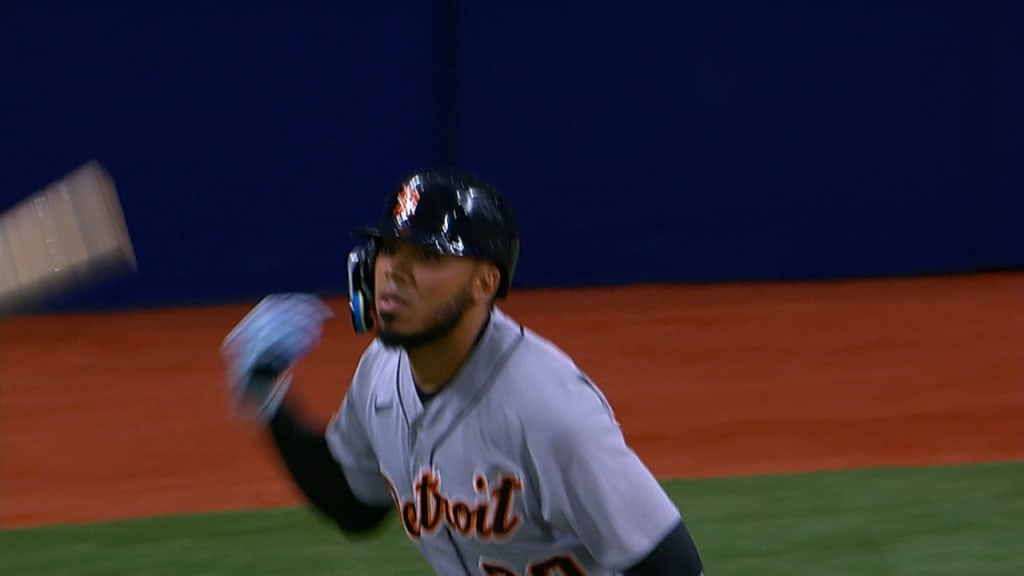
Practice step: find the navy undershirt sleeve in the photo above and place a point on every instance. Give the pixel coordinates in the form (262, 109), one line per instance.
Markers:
(306, 455)
(676, 554)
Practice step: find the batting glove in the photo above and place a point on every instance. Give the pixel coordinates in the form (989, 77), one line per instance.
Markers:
(261, 349)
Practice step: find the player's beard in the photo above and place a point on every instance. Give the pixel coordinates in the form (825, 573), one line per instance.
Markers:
(443, 322)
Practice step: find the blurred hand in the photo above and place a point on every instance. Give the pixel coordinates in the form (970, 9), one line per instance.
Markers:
(260, 351)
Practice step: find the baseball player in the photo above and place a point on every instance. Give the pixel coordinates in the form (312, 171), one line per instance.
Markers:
(499, 455)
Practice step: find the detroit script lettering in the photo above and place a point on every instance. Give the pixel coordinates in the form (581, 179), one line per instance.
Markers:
(490, 519)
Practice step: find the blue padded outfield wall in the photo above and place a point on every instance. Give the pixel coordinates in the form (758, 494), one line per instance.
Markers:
(637, 141)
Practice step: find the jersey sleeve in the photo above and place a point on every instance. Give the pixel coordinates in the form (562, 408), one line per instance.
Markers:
(349, 440)
(591, 483)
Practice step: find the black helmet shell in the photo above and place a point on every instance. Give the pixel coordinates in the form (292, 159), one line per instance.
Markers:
(454, 214)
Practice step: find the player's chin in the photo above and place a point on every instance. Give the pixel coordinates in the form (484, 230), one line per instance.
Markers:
(391, 322)
(389, 334)
(391, 339)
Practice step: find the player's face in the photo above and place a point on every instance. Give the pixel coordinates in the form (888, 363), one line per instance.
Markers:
(420, 294)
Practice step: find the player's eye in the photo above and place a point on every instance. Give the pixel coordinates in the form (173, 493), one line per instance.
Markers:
(390, 247)
(429, 255)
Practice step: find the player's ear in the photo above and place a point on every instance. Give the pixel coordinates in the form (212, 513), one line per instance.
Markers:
(486, 282)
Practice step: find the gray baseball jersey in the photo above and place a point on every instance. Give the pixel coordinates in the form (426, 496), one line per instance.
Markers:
(516, 467)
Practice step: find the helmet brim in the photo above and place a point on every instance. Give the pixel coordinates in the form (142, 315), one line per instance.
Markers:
(437, 242)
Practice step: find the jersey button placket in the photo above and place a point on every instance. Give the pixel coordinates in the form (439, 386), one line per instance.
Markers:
(420, 456)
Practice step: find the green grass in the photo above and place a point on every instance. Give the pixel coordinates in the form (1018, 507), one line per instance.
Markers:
(950, 520)
(281, 541)
(878, 522)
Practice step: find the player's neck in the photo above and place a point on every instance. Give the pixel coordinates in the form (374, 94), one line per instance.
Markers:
(435, 364)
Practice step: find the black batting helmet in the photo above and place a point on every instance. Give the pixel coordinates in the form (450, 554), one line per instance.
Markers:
(454, 214)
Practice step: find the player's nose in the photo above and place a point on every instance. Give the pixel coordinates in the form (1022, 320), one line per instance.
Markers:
(393, 265)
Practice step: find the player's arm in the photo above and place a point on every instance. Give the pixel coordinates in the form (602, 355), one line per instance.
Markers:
(676, 554)
(306, 455)
(259, 352)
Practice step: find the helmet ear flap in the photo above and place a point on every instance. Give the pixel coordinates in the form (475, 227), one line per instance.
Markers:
(360, 286)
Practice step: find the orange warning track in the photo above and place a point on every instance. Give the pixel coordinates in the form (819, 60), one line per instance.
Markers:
(106, 416)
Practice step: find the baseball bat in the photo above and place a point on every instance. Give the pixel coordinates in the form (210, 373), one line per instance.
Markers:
(68, 235)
